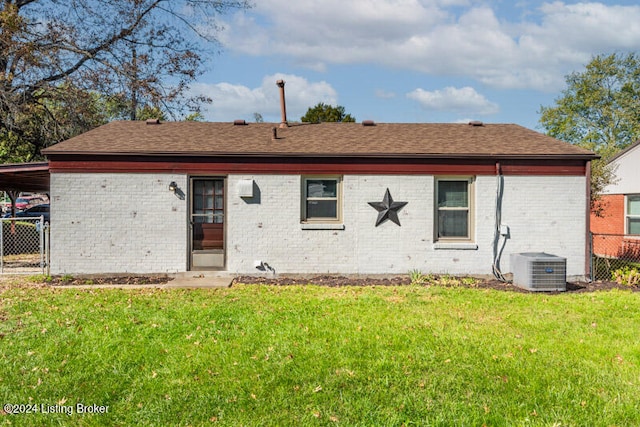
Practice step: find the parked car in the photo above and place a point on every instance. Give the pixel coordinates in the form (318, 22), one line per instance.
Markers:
(32, 212)
(25, 202)
(21, 203)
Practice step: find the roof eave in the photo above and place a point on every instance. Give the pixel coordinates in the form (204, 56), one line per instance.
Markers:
(625, 151)
(518, 156)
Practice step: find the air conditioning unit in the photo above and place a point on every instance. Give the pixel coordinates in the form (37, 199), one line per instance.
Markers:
(539, 271)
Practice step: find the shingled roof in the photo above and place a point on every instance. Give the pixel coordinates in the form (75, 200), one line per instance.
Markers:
(429, 140)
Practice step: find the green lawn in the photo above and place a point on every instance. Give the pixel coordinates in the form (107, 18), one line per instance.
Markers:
(307, 355)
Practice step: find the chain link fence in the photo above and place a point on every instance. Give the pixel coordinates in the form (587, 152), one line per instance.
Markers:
(23, 246)
(611, 252)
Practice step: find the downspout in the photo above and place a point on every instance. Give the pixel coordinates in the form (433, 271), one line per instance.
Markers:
(588, 241)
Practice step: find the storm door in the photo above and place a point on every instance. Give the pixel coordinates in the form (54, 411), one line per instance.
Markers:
(207, 223)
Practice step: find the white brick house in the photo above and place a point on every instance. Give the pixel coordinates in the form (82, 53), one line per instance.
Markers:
(249, 198)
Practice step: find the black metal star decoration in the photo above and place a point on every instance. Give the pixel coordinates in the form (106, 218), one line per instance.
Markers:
(387, 209)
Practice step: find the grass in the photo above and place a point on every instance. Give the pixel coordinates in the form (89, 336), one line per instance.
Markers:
(308, 355)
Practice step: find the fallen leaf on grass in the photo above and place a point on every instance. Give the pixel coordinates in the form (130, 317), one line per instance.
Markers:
(317, 389)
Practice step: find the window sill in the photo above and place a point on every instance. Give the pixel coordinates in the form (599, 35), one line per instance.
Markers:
(309, 226)
(464, 246)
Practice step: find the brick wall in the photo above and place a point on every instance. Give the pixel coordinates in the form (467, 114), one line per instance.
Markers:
(543, 213)
(104, 223)
(609, 227)
(124, 223)
(612, 219)
(547, 214)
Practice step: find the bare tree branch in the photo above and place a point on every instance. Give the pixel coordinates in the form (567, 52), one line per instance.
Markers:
(110, 57)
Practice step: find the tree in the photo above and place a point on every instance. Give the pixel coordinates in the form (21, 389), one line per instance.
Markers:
(599, 110)
(62, 115)
(136, 55)
(326, 113)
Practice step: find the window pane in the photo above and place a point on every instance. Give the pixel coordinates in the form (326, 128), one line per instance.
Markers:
(634, 205)
(453, 223)
(219, 186)
(208, 187)
(633, 225)
(453, 194)
(322, 209)
(208, 202)
(198, 188)
(197, 203)
(322, 188)
(219, 202)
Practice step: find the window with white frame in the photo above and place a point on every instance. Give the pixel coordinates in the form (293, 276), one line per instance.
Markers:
(321, 199)
(633, 214)
(454, 209)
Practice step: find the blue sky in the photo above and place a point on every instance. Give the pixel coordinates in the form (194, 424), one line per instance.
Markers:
(410, 60)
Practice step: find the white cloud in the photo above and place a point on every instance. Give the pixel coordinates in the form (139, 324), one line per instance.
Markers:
(436, 37)
(463, 100)
(231, 102)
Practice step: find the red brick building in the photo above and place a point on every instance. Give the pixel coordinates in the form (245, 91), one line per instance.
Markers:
(617, 227)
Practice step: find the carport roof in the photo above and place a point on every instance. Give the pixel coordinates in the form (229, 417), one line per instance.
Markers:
(31, 177)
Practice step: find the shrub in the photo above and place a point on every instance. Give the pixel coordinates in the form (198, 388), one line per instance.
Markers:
(627, 276)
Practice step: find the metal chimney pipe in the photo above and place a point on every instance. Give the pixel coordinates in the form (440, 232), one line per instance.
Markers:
(283, 105)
